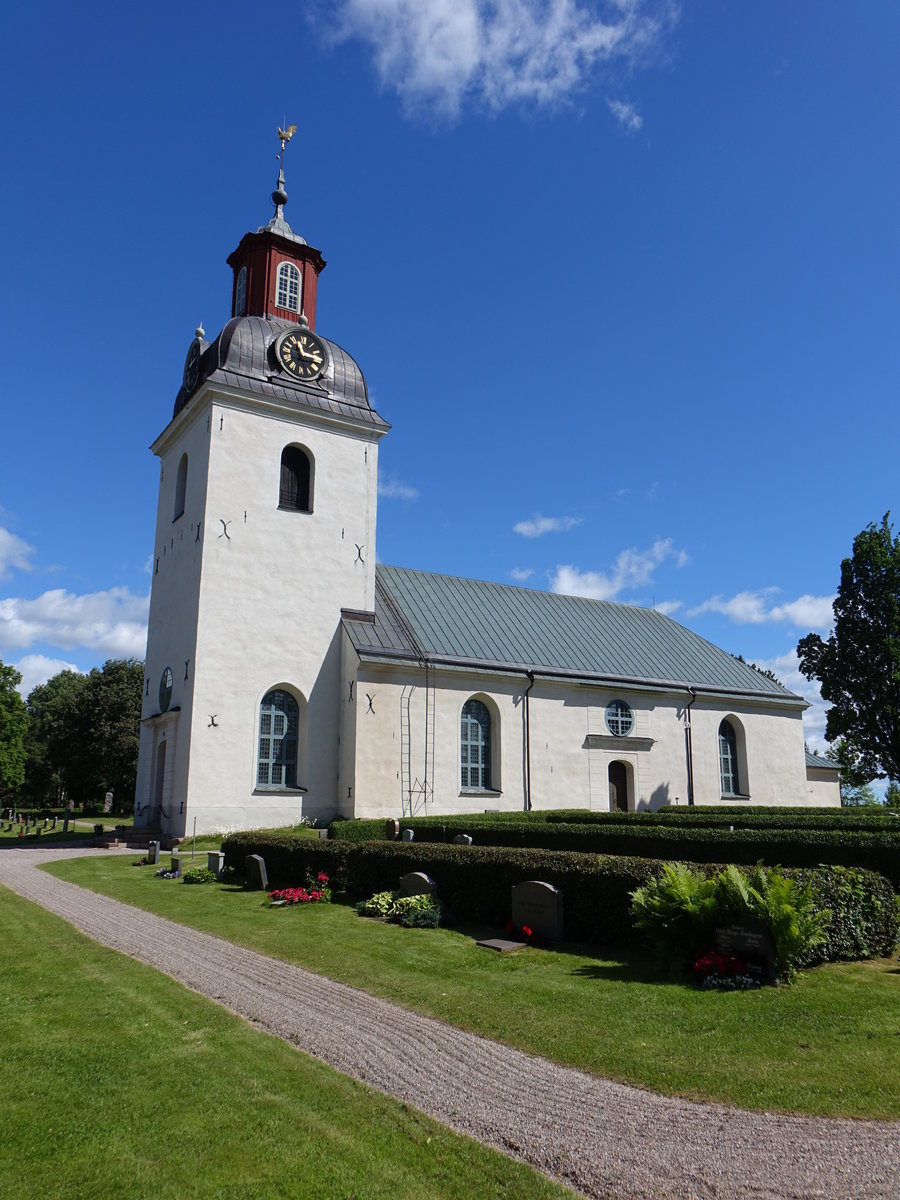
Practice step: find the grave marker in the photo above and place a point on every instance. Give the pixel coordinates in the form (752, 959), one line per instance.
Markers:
(748, 938)
(539, 906)
(215, 861)
(392, 829)
(255, 866)
(407, 835)
(462, 839)
(153, 854)
(417, 883)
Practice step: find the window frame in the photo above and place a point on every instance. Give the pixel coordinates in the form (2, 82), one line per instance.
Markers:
(289, 765)
(288, 271)
(303, 502)
(180, 487)
(485, 747)
(614, 714)
(240, 292)
(730, 765)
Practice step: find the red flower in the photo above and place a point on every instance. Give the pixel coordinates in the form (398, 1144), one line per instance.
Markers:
(321, 877)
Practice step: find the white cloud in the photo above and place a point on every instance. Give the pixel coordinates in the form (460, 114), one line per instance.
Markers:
(520, 574)
(441, 54)
(113, 622)
(38, 668)
(667, 607)
(626, 114)
(15, 554)
(393, 489)
(632, 568)
(539, 525)
(753, 608)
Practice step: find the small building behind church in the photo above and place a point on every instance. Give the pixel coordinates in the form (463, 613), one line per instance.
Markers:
(289, 675)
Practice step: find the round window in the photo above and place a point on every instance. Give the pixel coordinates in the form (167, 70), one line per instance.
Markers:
(165, 689)
(619, 718)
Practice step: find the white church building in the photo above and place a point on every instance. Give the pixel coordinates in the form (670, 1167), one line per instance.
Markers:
(358, 689)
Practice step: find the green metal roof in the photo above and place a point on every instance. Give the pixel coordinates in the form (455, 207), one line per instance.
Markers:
(821, 764)
(470, 623)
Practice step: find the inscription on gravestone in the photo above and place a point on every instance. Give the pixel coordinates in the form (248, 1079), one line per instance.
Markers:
(417, 883)
(539, 906)
(748, 938)
(255, 866)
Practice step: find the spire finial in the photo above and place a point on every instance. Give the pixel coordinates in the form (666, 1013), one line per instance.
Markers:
(279, 196)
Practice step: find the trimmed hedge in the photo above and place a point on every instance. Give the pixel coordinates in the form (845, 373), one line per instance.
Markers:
(873, 851)
(740, 818)
(475, 881)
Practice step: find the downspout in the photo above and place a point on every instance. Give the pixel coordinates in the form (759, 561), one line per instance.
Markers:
(526, 730)
(689, 748)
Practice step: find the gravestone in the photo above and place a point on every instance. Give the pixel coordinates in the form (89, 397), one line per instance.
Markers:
(153, 854)
(407, 835)
(417, 883)
(539, 906)
(255, 866)
(215, 861)
(392, 829)
(462, 839)
(748, 938)
(108, 802)
(179, 863)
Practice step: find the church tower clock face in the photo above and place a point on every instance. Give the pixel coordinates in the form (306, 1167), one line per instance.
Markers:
(301, 354)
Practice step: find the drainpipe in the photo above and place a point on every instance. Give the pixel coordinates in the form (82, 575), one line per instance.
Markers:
(526, 728)
(689, 747)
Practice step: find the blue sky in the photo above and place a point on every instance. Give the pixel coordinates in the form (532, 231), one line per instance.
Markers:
(624, 278)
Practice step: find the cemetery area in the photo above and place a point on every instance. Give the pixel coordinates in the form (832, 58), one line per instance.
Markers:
(601, 1000)
(29, 826)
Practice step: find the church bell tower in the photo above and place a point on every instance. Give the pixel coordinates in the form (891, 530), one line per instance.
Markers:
(265, 532)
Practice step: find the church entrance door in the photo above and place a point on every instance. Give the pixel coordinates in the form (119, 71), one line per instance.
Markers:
(158, 780)
(618, 787)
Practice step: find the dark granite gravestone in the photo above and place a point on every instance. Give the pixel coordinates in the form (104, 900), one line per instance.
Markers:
(407, 835)
(215, 861)
(153, 854)
(462, 839)
(392, 829)
(180, 864)
(255, 866)
(417, 883)
(748, 938)
(539, 906)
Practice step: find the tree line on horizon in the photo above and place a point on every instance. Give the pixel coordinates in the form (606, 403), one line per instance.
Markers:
(73, 739)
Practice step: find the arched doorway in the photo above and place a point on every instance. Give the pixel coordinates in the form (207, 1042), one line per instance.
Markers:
(618, 787)
(158, 784)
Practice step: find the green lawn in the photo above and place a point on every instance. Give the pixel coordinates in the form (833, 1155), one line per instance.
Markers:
(827, 1045)
(117, 1082)
(81, 827)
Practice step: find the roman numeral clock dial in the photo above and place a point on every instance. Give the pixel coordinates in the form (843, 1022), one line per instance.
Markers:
(301, 354)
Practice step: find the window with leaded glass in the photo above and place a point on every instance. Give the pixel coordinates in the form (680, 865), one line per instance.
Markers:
(240, 293)
(279, 719)
(728, 759)
(287, 288)
(619, 718)
(295, 492)
(475, 746)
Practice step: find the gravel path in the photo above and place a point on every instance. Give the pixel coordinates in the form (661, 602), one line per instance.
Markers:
(604, 1139)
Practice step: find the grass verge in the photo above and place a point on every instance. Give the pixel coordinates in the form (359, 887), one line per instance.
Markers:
(828, 1045)
(116, 1081)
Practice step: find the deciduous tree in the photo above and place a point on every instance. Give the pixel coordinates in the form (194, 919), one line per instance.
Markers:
(13, 727)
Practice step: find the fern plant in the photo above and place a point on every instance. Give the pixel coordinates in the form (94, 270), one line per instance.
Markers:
(676, 910)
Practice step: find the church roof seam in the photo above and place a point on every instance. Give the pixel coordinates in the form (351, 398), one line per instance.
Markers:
(445, 618)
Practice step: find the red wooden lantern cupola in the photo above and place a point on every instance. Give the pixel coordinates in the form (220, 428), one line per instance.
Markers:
(276, 273)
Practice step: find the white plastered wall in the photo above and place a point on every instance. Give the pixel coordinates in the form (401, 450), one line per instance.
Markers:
(263, 609)
(571, 748)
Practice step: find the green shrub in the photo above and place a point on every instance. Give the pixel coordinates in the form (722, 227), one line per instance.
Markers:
(474, 884)
(415, 912)
(198, 875)
(679, 909)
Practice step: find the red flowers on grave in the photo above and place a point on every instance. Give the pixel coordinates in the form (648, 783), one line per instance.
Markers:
(310, 894)
(524, 932)
(724, 972)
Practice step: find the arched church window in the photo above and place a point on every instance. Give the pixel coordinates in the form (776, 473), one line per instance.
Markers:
(240, 293)
(180, 487)
(728, 760)
(287, 288)
(279, 720)
(475, 746)
(295, 491)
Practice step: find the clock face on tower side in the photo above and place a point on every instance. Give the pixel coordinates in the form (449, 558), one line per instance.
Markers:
(301, 354)
(192, 365)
